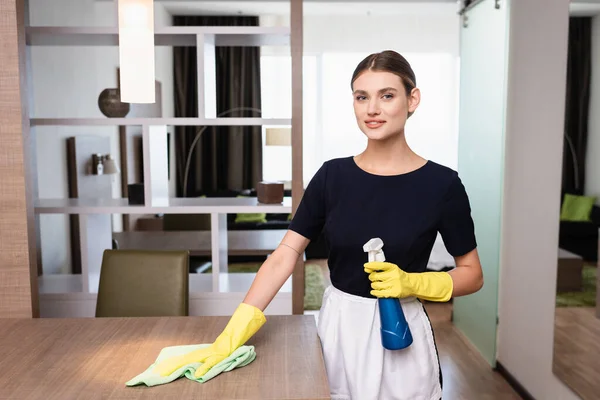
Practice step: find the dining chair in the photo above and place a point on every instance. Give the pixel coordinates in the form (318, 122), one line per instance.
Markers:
(143, 283)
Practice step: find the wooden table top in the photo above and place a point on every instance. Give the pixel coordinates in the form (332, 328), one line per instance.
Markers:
(93, 358)
(245, 243)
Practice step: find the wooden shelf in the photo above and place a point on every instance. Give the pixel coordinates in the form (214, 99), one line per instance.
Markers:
(159, 121)
(223, 205)
(164, 36)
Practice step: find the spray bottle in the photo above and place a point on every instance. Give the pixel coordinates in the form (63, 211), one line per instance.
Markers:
(395, 332)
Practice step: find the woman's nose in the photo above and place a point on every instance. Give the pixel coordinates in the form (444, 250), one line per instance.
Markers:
(373, 108)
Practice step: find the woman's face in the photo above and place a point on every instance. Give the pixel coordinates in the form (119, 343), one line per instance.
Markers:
(381, 105)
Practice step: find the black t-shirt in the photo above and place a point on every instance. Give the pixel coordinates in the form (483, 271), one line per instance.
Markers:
(351, 206)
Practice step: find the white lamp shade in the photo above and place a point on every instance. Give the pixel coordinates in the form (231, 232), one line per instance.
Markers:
(110, 166)
(278, 136)
(136, 51)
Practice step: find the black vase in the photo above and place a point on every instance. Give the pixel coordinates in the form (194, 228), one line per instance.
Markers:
(110, 104)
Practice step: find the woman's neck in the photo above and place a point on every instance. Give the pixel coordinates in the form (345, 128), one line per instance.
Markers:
(389, 157)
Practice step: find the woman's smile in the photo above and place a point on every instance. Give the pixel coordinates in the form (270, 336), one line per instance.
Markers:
(374, 123)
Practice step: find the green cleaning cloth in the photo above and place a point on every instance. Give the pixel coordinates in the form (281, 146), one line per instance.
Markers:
(241, 357)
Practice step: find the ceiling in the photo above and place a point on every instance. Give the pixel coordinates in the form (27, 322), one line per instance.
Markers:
(311, 7)
(338, 7)
(585, 8)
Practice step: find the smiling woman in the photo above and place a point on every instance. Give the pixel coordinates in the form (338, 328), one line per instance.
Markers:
(397, 196)
(405, 200)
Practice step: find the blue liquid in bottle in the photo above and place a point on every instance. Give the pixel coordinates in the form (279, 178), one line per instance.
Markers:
(395, 332)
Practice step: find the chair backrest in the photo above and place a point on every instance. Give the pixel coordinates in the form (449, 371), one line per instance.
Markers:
(143, 283)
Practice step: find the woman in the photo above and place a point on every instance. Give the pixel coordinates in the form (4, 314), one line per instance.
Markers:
(389, 192)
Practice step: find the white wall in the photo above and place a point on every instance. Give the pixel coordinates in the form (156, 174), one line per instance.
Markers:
(534, 140)
(66, 82)
(406, 33)
(592, 162)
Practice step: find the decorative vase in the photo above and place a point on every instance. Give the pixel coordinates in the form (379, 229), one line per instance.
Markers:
(110, 104)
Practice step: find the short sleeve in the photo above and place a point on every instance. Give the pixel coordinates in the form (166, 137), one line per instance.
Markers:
(456, 225)
(310, 215)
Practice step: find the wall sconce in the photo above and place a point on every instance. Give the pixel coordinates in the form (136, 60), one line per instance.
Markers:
(136, 50)
(104, 164)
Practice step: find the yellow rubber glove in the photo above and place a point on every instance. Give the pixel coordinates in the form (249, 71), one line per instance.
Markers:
(388, 280)
(244, 323)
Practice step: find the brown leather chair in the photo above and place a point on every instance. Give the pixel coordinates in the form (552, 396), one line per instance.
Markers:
(143, 283)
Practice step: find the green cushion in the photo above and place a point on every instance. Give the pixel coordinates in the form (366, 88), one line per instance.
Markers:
(251, 217)
(257, 217)
(577, 208)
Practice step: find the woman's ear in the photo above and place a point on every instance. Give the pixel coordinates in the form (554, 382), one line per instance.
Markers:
(413, 100)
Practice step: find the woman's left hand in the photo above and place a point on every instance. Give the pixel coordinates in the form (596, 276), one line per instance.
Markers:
(388, 280)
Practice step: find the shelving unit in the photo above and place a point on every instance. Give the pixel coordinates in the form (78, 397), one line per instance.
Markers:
(217, 293)
(158, 121)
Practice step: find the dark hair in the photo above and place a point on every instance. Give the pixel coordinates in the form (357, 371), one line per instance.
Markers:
(388, 61)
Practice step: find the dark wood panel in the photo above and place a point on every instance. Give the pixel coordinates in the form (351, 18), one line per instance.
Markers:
(83, 185)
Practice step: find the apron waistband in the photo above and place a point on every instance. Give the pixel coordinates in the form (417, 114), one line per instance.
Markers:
(360, 299)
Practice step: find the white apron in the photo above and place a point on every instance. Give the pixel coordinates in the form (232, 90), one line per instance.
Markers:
(359, 368)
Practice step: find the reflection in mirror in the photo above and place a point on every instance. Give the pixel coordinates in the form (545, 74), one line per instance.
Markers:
(576, 359)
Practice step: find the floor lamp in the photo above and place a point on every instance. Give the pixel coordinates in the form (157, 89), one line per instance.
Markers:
(575, 163)
(197, 137)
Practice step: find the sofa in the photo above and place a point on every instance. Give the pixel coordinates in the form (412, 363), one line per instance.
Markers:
(580, 237)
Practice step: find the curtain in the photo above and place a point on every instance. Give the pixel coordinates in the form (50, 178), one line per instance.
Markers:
(225, 158)
(577, 105)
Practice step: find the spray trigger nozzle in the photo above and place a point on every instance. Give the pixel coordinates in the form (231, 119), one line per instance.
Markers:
(373, 247)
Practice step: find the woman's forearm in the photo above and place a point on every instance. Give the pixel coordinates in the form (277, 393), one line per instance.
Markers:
(465, 281)
(467, 277)
(271, 276)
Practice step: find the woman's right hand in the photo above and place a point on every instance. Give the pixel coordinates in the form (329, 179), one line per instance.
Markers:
(244, 323)
(248, 317)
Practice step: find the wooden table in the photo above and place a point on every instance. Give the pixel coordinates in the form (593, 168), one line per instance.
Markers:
(91, 358)
(243, 243)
